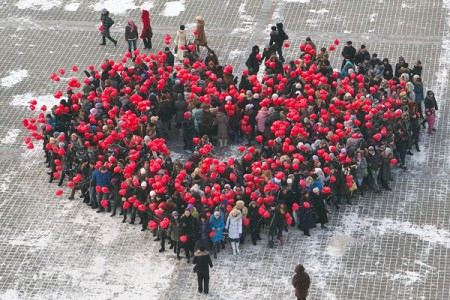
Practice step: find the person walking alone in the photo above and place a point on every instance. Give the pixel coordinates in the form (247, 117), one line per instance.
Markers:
(301, 282)
(200, 36)
(202, 262)
(147, 33)
(107, 22)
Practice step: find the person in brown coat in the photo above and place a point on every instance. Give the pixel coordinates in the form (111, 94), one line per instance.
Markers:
(200, 37)
(301, 282)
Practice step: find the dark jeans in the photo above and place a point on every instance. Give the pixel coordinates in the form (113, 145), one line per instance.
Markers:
(147, 43)
(203, 281)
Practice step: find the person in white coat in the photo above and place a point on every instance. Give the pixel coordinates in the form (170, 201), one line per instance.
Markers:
(180, 40)
(234, 227)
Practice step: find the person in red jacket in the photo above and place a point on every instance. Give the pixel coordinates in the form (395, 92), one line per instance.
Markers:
(147, 32)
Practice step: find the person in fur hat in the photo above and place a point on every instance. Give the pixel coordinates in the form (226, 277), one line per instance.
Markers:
(301, 282)
(252, 62)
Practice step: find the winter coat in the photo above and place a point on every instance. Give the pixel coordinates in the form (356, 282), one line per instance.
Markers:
(418, 90)
(165, 110)
(107, 22)
(196, 115)
(222, 125)
(430, 103)
(349, 52)
(301, 283)
(180, 108)
(276, 222)
(206, 121)
(146, 27)
(361, 169)
(374, 161)
(202, 262)
(200, 38)
(385, 170)
(188, 226)
(254, 216)
(131, 34)
(170, 59)
(204, 230)
(175, 229)
(180, 40)
(234, 226)
(319, 208)
(305, 218)
(219, 225)
(261, 120)
(252, 63)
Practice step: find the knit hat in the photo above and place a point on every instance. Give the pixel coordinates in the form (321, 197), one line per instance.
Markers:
(315, 190)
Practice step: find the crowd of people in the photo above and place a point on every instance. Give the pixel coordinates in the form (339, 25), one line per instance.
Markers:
(312, 137)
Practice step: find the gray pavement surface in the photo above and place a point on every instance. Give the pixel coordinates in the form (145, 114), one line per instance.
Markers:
(394, 245)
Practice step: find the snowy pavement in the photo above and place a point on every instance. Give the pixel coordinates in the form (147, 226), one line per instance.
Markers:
(394, 245)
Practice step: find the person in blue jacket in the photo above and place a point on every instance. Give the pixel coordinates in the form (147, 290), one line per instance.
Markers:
(217, 224)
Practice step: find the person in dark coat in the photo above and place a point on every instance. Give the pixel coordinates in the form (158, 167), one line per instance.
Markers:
(180, 109)
(165, 115)
(319, 207)
(388, 72)
(188, 229)
(204, 229)
(255, 221)
(306, 218)
(107, 22)
(252, 62)
(373, 167)
(301, 282)
(131, 35)
(188, 131)
(431, 105)
(202, 262)
(385, 168)
(361, 55)
(170, 60)
(276, 224)
(348, 53)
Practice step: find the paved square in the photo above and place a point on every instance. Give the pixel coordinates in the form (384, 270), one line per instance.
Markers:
(394, 245)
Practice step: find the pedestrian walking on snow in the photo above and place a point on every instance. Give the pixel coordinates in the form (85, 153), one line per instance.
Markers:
(107, 23)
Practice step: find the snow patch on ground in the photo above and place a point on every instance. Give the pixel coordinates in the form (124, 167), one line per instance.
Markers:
(120, 7)
(319, 12)
(72, 6)
(235, 54)
(34, 242)
(38, 4)
(246, 22)
(10, 137)
(24, 100)
(338, 245)
(5, 180)
(173, 8)
(373, 16)
(14, 77)
(297, 1)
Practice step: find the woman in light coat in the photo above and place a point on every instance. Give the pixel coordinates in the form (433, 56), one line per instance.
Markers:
(222, 127)
(234, 227)
(200, 37)
(180, 40)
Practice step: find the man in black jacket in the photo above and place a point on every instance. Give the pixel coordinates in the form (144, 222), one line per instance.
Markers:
(348, 52)
(202, 262)
(373, 163)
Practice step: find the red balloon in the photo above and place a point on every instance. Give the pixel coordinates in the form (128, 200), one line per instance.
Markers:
(70, 184)
(183, 238)
(104, 203)
(212, 234)
(306, 205)
(152, 224)
(126, 205)
(59, 192)
(295, 206)
(393, 161)
(246, 221)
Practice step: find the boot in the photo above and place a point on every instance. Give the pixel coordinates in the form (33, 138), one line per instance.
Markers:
(225, 142)
(417, 148)
(215, 251)
(282, 240)
(162, 249)
(233, 246)
(306, 232)
(221, 143)
(237, 248)
(103, 41)
(323, 226)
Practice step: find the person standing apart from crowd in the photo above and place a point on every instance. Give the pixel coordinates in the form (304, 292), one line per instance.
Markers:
(180, 40)
(131, 35)
(200, 36)
(430, 111)
(301, 282)
(147, 33)
(202, 262)
(107, 22)
(234, 227)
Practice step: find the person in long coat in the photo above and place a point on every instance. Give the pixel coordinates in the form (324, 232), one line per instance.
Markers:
(216, 223)
(107, 22)
(174, 232)
(222, 127)
(234, 227)
(385, 169)
(200, 37)
(202, 262)
(255, 221)
(204, 229)
(306, 218)
(180, 40)
(319, 207)
(147, 33)
(180, 109)
(301, 282)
